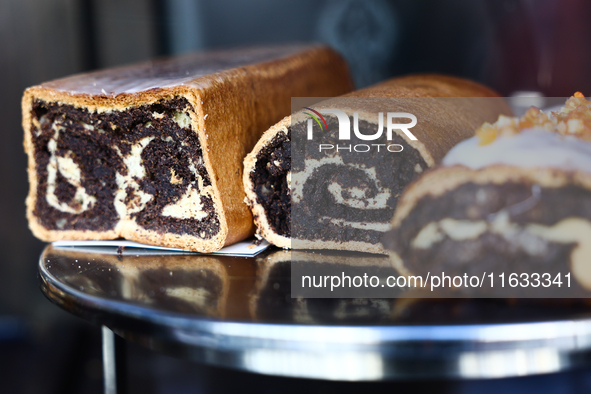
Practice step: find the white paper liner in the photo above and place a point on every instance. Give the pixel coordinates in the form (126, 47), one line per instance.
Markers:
(245, 248)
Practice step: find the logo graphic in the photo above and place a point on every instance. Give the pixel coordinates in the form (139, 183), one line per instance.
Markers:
(345, 124)
(316, 119)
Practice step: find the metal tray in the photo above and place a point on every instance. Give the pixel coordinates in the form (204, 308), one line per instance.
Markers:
(237, 312)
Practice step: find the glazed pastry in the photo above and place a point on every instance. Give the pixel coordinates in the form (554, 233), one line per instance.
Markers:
(153, 152)
(296, 196)
(514, 198)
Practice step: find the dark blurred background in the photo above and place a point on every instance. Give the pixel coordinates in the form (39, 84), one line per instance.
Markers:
(513, 46)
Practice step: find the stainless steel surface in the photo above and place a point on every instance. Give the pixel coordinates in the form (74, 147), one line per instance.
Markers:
(114, 361)
(109, 363)
(237, 312)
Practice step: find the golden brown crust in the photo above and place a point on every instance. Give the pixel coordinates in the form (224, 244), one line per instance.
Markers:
(231, 110)
(316, 73)
(426, 85)
(450, 120)
(444, 123)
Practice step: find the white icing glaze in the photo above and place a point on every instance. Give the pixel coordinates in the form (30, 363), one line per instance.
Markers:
(530, 149)
(168, 73)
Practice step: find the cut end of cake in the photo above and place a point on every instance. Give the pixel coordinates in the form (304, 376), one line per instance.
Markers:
(271, 180)
(343, 199)
(344, 192)
(136, 172)
(495, 220)
(267, 183)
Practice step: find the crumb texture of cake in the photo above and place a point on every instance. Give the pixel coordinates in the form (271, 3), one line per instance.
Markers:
(144, 164)
(153, 152)
(519, 201)
(343, 196)
(271, 178)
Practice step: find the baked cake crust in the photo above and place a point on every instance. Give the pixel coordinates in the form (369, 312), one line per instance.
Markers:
(234, 96)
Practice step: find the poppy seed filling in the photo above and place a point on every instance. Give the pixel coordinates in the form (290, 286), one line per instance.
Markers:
(142, 163)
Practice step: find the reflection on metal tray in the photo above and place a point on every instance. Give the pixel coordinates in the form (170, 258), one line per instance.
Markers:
(238, 312)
